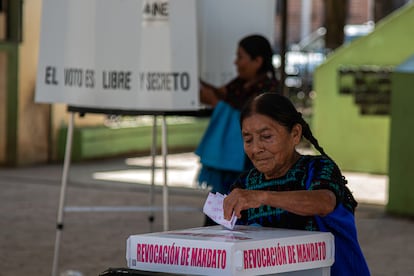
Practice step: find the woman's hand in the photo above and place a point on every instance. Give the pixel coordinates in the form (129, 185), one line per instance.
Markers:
(208, 95)
(239, 200)
(211, 95)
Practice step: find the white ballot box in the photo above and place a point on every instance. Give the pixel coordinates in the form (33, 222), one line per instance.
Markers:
(246, 250)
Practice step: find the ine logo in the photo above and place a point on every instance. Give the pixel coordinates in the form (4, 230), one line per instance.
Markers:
(155, 10)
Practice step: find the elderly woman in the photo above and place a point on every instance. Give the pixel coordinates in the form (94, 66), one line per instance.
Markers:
(288, 190)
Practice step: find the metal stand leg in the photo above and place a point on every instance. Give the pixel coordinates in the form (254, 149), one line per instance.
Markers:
(151, 216)
(66, 164)
(165, 186)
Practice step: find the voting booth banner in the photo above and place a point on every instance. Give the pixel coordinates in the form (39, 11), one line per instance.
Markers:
(129, 54)
(247, 250)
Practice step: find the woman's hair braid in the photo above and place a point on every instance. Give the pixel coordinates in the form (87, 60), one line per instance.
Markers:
(307, 133)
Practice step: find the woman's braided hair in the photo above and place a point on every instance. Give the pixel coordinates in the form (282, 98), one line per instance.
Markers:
(282, 110)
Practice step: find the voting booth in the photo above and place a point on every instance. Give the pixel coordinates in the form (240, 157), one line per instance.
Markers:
(245, 250)
(128, 55)
(142, 55)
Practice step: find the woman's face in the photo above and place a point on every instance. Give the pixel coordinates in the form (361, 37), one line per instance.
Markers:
(269, 145)
(247, 67)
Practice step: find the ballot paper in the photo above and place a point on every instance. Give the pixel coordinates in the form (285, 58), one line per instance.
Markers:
(213, 208)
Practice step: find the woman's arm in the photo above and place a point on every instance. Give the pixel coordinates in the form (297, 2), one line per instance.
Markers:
(303, 202)
(211, 95)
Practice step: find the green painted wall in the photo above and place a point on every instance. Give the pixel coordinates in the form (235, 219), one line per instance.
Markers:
(360, 142)
(103, 142)
(401, 173)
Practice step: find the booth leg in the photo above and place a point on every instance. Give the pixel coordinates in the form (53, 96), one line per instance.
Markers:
(66, 165)
(165, 186)
(151, 216)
